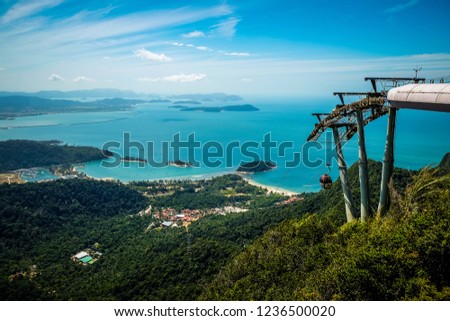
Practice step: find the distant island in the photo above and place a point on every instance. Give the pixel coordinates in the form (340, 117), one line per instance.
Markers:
(157, 101)
(16, 106)
(218, 109)
(179, 163)
(131, 159)
(187, 102)
(256, 167)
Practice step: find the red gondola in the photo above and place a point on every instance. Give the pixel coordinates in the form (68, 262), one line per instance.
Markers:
(326, 181)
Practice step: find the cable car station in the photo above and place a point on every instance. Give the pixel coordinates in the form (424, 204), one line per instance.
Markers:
(388, 95)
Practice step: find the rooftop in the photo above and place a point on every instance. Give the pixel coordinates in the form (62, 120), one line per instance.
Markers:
(80, 255)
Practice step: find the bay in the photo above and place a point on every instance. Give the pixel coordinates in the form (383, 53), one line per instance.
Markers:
(421, 139)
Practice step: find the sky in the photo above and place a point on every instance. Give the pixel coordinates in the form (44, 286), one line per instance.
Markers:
(252, 47)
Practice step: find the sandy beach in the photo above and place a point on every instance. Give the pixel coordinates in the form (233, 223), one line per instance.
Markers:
(270, 188)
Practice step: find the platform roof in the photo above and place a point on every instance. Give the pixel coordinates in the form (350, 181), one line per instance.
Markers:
(432, 97)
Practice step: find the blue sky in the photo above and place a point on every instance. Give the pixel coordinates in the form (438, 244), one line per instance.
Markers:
(254, 47)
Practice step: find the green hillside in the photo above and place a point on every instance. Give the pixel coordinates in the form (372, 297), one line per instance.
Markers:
(272, 251)
(403, 256)
(43, 224)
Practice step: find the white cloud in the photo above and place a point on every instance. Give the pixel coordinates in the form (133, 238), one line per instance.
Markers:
(82, 79)
(226, 28)
(106, 57)
(401, 7)
(239, 54)
(185, 78)
(148, 55)
(26, 8)
(176, 78)
(194, 34)
(190, 45)
(178, 44)
(55, 77)
(247, 79)
(203, 48)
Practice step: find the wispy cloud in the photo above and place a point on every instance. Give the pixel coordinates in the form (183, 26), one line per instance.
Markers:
(2, 69)
(55, 77)
(226, 28)
(247, 79)
(26, 8)
(148, 55)
(82, 79)
(203, 48)
(194, 34)
(238, 54)
(80, 33)
(176, 78)
(185, 78)
(90, 14)
(401, 7)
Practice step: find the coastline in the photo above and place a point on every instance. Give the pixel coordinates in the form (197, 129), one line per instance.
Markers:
(78, 169)
(270, 188)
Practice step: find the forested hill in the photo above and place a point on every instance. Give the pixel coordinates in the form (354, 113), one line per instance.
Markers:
(272, 251)
(402, 256)
(17, 154)
(43, 224)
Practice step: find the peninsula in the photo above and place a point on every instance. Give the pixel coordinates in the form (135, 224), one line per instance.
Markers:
(256, 166)
(16, 106)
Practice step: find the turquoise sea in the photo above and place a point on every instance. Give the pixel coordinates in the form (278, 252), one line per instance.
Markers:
(422, 138)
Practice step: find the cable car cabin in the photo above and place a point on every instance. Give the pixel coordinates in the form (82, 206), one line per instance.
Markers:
(325, 181)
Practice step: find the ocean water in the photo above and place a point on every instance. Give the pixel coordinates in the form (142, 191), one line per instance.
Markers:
(422, 138)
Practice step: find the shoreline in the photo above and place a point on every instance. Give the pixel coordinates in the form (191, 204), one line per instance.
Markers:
(270, 188)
